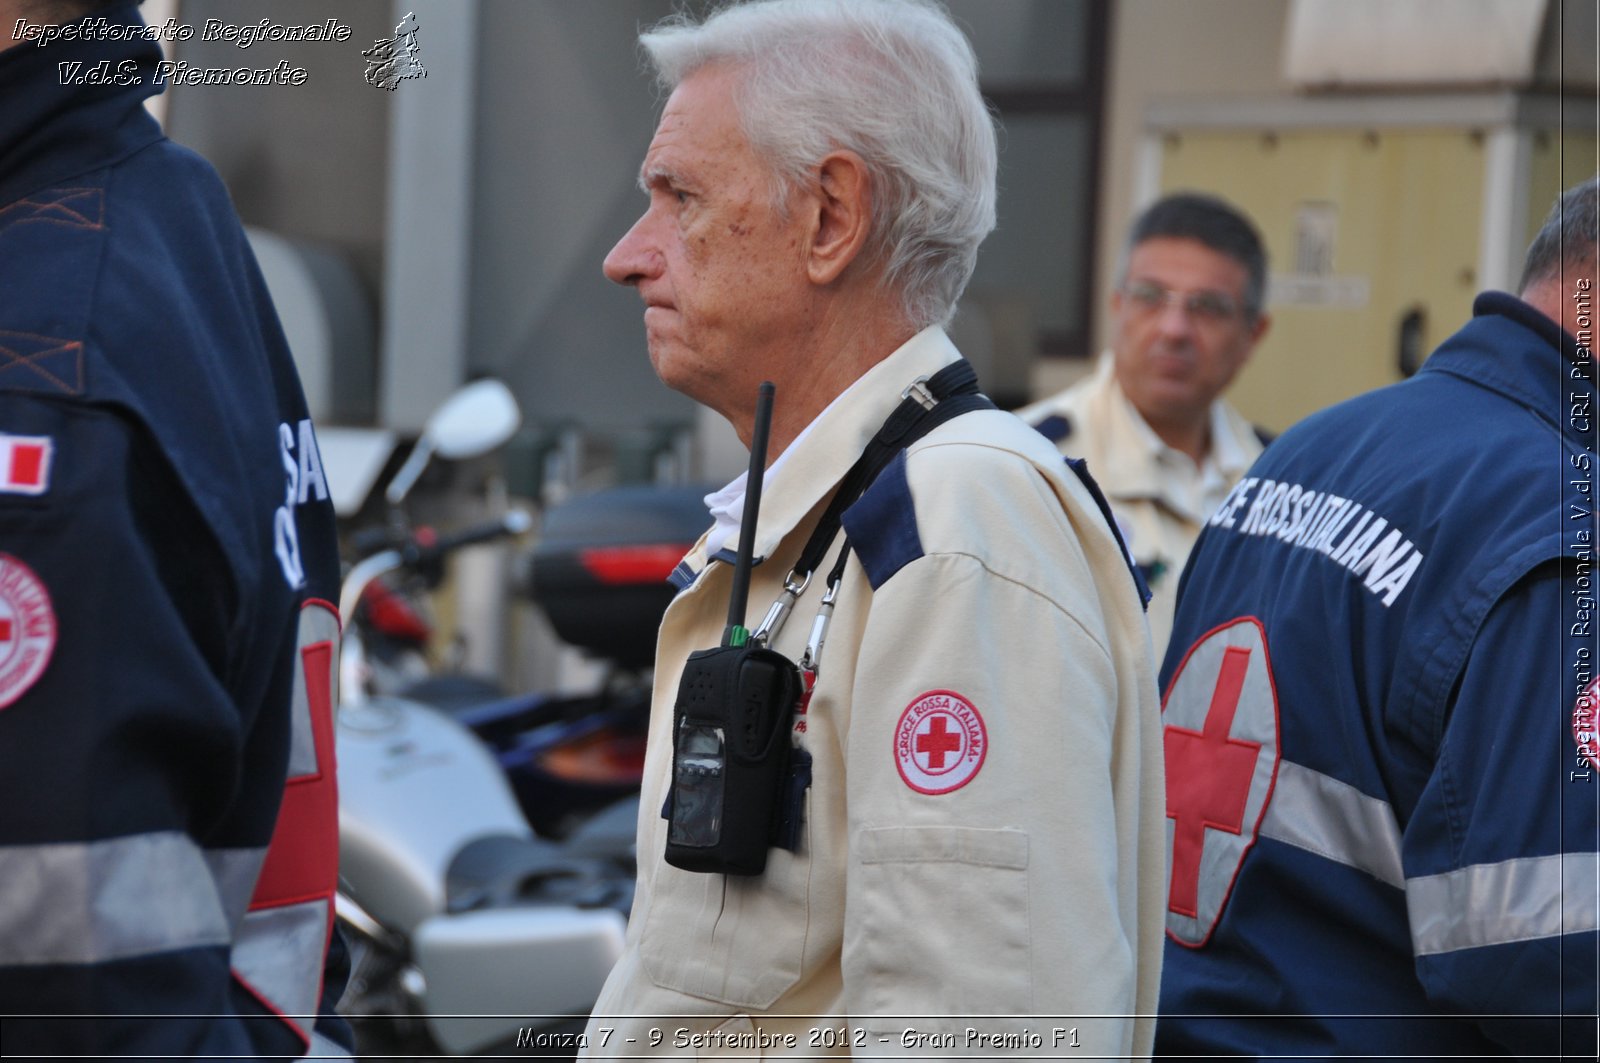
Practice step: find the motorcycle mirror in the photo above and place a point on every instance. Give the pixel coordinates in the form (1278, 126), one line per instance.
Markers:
(473, 421)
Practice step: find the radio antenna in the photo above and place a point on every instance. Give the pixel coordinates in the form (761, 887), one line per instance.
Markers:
(735, 633)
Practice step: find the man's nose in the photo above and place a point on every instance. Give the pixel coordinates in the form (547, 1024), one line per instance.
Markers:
(1174, 318)
(632, 259)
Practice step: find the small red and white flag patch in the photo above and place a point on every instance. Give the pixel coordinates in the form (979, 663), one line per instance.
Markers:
(1586, 724)
(27, 629)
(25, 464)
(940, 742)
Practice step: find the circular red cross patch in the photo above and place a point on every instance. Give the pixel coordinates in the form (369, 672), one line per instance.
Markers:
(1586, 723)
(940, 742)
(27, 629)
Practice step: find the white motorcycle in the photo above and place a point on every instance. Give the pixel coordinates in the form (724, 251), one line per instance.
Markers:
(467, 933)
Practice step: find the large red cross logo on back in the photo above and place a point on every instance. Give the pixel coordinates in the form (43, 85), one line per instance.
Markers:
(1208, 780)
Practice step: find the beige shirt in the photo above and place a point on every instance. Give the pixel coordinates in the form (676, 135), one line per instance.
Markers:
(1160, 497)
(984, 834)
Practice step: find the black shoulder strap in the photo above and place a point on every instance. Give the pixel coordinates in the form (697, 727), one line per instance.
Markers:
(926, 405)
(1081, 467)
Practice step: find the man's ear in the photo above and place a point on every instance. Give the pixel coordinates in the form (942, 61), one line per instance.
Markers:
(1258, 329)
(843, 216)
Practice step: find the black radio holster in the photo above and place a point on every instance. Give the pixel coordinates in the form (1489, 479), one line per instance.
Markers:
(730, 754)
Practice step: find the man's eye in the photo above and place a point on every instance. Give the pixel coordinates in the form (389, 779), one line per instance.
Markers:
(1211, 306)
(1207, 306)
(683, 197)
(1147, 297)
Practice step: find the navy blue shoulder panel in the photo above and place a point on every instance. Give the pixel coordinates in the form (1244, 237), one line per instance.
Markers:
(882, 524)
(1081, 467)
(685, 574)
(682, 576)
(1055, 428)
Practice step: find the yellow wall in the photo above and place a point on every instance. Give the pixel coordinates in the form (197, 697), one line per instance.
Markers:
(1557, 162)
(1408, 206)
(1165, 50)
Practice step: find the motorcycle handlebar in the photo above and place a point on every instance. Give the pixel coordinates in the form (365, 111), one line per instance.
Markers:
(415, 553)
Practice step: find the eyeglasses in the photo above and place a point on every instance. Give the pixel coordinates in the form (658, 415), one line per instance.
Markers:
(1206, 307)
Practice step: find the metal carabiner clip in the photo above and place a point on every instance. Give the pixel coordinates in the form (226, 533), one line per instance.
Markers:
(811, 660)
(778, 614)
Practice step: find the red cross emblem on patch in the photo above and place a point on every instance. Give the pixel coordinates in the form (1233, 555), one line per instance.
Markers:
(27, 629)
(1221, 739)
(25, 464)
(940, 742)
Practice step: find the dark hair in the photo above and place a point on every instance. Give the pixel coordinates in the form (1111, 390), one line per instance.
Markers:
(1568, 236)
(1210, 221)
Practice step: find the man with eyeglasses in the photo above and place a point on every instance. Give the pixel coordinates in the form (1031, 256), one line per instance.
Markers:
(1162, 443)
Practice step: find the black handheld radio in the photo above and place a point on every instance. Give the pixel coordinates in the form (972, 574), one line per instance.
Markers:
(731, 722)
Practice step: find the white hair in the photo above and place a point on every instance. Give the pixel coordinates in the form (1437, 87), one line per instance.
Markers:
(893, 81)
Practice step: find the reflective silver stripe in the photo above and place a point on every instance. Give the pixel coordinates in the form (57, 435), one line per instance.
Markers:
(1495, 904)
(323, 1048)
(235, 872)
(91, 902)
(279, 954)
(318, 624)
(1320, 814)
(1486, 904)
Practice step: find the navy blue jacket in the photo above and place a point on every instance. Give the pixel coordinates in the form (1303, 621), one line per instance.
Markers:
(167, 556)
(1379, 727)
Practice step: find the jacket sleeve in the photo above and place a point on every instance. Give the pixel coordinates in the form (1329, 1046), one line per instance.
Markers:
(140, 794)
(1500, 855)
(991, 823)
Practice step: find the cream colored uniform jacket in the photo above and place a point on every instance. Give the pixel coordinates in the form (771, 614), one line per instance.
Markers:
(1162, 506)
(1035, 889)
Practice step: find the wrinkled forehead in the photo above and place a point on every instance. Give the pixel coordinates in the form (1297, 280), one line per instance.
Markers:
(699, 124)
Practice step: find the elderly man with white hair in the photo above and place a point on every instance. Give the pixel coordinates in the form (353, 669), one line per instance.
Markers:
(967, 848)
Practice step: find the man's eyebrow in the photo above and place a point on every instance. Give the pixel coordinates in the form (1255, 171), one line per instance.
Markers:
(651, 174)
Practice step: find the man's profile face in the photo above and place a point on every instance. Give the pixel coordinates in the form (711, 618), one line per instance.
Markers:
(720, 271)
(1181, 333)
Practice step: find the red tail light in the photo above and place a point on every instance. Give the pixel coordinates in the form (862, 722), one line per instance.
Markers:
(632, 564)
(390, 614)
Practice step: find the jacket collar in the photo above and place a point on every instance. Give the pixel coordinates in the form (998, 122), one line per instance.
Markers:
(815, 463)
(1514, 349)
(1500, 304)
(1126, 455)
(51, 132)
